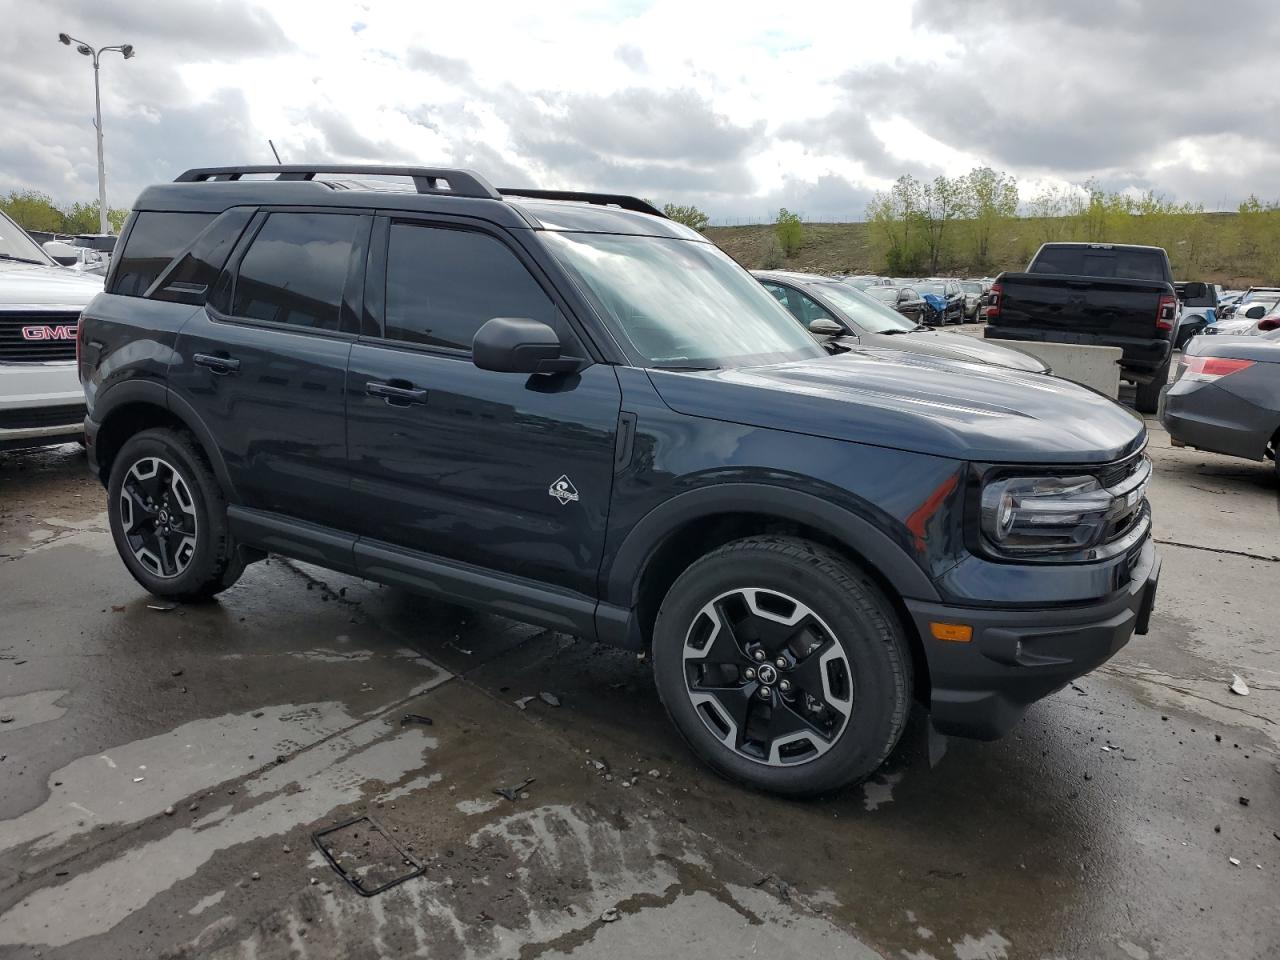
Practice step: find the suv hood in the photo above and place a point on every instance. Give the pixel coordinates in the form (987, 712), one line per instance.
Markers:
(947, 408)
(36, 285)
(953, 346)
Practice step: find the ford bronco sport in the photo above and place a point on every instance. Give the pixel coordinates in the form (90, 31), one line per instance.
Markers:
(571, 410)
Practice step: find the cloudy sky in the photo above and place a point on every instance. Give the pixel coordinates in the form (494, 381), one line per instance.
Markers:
(738, 107)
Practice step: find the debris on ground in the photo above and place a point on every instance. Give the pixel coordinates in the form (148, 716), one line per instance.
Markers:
(415, 718)
(168, 811)
(514, 793)
(549, 698)
(1234, 861)
(175, 673)
(523, 702)
(609, 915)
(1238, 685)
(162, 607)
(117, 608)
(1244, 801)
(6, 719)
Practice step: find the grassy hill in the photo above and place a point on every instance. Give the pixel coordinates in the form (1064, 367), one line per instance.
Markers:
(1213, 248)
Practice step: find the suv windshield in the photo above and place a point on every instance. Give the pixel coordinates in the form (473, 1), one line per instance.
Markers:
(867, 312)
(16, 245)
(971, 286)
(934, 288)
(681, 303)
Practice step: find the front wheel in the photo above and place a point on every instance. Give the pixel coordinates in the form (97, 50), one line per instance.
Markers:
(169, 519)
(783, 666)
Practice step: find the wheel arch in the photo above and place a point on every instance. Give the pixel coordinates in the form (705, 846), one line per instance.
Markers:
(672, 536)
(136, 405)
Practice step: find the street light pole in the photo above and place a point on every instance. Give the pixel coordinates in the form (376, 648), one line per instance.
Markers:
(126, 51)
(102, 167)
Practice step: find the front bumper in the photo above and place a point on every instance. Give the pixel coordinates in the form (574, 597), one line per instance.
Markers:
(40, 403)
(981, 688)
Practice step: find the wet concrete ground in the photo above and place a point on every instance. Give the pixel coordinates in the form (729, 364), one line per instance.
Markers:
(163, 771)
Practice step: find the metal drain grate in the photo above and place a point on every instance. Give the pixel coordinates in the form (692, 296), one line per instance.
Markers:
(365, 855)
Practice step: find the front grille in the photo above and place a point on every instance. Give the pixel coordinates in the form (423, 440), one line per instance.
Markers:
(29, 419)
(1127, 482)
(38, 336)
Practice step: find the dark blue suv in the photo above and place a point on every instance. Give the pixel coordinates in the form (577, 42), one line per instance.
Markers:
(570, 410)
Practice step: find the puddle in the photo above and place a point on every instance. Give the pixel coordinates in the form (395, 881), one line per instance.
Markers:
(28, 709)
(989, 946)
(97, 900)
(196, 756)
(204, 903)
(876, 793)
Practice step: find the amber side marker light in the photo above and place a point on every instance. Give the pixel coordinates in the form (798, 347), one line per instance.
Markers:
(955, 632)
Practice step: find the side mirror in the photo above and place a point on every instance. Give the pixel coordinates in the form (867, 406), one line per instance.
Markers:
(1256, 312)
(1194, 290)
(520, 345)
(822, 327)
(63, 253)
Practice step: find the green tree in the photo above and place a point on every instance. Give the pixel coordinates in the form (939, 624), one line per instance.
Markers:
(789, 230)
(990, 202)
(32, 211)
(689, 215)
(897, 223)
(943, 203)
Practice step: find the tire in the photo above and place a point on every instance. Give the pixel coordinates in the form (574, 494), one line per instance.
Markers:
(1148, 394)
(845, 643)
(197, 557)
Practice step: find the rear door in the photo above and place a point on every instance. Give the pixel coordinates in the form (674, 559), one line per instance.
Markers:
(264, 362)
(507, 472)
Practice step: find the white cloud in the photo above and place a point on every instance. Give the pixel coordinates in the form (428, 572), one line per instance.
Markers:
(733, 106)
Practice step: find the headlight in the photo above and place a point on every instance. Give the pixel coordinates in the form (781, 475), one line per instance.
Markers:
(1024, 515)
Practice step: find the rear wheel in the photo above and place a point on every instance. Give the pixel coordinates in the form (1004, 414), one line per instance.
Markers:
(783, 666)
(169, 518)
(1148, 394)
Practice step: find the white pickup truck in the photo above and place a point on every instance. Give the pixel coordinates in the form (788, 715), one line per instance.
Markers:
(41, 401)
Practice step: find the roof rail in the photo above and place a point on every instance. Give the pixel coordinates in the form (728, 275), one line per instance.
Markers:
(462, 183)
(604, 199)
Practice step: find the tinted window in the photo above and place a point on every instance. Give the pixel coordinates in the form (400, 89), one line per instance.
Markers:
(443, 285)
(154, 240)
(295, 270)
(191, 277)
(1099, 262)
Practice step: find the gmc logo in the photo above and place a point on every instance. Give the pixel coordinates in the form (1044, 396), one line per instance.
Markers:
(63, 331)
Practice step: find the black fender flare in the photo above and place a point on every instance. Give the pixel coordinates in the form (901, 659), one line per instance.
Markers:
(874, 545)
(130, 392)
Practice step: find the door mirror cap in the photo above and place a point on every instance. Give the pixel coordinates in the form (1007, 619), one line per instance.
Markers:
(822, 327)
(1256, 312)
(520, 345)
(1195, 290)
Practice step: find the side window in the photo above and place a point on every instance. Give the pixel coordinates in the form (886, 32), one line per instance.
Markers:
(189, 279)
(810, 309)
(444, 284)
(782, 295)
(295, 269)
(154, 240)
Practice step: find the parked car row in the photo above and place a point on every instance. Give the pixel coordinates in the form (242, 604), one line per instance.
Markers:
(935, 301)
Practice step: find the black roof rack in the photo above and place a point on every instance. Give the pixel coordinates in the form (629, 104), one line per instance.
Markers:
(604, 199)
(462, 183)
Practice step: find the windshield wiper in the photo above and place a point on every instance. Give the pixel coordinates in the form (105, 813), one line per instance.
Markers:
(10, 256)
(683, 367)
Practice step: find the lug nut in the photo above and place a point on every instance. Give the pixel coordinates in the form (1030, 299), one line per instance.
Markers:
(749, 673)
(759, 654)
(765, 692)
(782, 663)
(784, 685)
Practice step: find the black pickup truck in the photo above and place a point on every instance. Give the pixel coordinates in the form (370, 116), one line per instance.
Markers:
(1096, 294)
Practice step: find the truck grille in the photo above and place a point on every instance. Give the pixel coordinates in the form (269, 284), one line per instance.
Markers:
(1126, 481)
(38, 336)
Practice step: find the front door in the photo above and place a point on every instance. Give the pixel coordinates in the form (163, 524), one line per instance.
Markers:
(509, 472)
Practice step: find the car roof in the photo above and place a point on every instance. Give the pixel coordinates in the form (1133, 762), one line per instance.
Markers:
(794, 276)
(214, 190)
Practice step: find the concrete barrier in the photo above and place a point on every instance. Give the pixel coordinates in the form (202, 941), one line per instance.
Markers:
(1096, 367)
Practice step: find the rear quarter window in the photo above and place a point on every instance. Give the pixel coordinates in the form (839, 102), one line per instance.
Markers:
(153, 241)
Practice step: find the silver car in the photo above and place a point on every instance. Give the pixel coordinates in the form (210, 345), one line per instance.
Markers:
(1226, 398)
